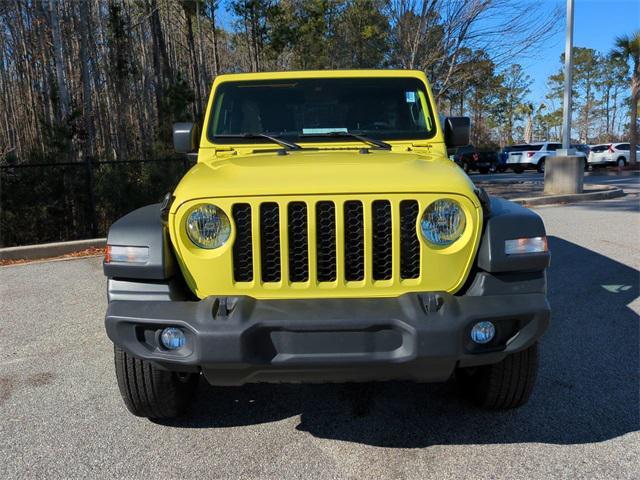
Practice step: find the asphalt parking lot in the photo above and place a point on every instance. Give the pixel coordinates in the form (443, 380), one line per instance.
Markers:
(63, 416)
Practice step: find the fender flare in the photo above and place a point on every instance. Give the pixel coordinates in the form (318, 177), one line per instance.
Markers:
(143, 227)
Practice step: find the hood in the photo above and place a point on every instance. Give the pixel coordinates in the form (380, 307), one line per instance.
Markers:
(323, 172)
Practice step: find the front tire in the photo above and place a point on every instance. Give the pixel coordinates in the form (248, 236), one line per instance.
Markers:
(540, 166)
(504, 385)
(621, 162)
(150, 392)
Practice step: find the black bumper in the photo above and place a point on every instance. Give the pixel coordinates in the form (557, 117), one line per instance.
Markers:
(238, 340)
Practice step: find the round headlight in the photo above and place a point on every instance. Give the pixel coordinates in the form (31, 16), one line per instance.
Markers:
(208, 226)
(443, 222)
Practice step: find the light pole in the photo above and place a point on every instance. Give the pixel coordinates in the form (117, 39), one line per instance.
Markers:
(564, 172)
(568, 83)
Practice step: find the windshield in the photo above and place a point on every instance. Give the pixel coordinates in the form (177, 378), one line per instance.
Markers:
(380, 108)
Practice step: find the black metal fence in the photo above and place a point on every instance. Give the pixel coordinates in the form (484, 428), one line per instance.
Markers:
(68, 201)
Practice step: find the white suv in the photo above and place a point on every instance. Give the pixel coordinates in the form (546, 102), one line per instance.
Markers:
(533, 155)
(610, 154)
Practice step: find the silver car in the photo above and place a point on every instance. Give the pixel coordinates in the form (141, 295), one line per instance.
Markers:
(533, 155)
(610, 154)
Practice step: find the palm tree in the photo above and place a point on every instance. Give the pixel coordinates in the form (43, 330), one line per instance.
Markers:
(628, 48)
(526, 110)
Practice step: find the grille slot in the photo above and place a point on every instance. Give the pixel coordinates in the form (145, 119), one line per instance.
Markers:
(270, 242)
(382, 232)
(298, 242)
(395, 243)
(353, 241)
(409, 242)
(242, 247)
(326, 241)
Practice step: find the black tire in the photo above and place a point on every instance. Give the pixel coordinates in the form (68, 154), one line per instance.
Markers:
(621, 162)
(150, 392)
(540, 166)
(504, 385)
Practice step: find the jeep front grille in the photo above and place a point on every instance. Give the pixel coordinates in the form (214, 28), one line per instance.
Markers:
(324, 241)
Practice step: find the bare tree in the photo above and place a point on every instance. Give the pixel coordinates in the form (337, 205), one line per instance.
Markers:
(59, 55)
(431, 35)
(628, 48)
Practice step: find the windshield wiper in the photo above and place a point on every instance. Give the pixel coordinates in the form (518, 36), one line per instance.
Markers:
(362, 138)
(282, 143)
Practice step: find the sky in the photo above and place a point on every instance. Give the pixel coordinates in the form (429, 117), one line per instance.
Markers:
(596, 23)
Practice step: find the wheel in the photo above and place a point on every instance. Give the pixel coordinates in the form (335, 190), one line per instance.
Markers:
(621, 162)
(484, 170)
(150, 392)
(540, 166)
(518, 170)
(507, 384)
(586, 166)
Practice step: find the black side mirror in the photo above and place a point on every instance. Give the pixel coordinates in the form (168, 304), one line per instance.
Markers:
(456, 131)
(185, 138)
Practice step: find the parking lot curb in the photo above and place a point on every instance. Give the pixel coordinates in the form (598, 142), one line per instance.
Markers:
(603, 192)
(47, 250)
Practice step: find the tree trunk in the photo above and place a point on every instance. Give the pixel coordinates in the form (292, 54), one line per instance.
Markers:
(58, 55)
(635, 97)
(214, 33)
(194, 66)
(87, 114)
(161, 65)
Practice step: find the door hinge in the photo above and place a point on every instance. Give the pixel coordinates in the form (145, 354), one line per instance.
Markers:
(224, 151)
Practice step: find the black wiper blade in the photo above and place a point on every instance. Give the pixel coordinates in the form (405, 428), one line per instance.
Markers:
(362, 138)
(282, 143)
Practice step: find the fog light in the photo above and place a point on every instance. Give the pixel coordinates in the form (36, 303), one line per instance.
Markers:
(483, 332)
(172, 338)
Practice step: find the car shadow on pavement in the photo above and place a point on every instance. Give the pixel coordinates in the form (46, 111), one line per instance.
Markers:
(587, 388)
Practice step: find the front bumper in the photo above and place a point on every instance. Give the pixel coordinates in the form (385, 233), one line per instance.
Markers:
(237, 340)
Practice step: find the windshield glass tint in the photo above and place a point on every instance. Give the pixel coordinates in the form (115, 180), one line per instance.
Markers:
(382, 108)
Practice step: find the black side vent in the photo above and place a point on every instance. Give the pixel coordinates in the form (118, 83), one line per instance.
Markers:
(326, 241)
(242, 247)
(270, 242)
(353, 241)
(382, 238)
(409, 241)
(298, 242)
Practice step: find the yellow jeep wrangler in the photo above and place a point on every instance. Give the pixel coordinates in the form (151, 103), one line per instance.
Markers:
(324, 236)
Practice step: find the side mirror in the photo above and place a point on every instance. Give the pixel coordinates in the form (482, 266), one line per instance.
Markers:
(456, 131)
(185, 137)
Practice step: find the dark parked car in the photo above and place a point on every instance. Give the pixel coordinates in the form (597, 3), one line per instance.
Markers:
(470, 158)
(502, 159)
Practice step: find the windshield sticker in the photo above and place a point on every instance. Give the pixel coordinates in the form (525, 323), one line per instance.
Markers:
(410, 96)
(320, 131)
